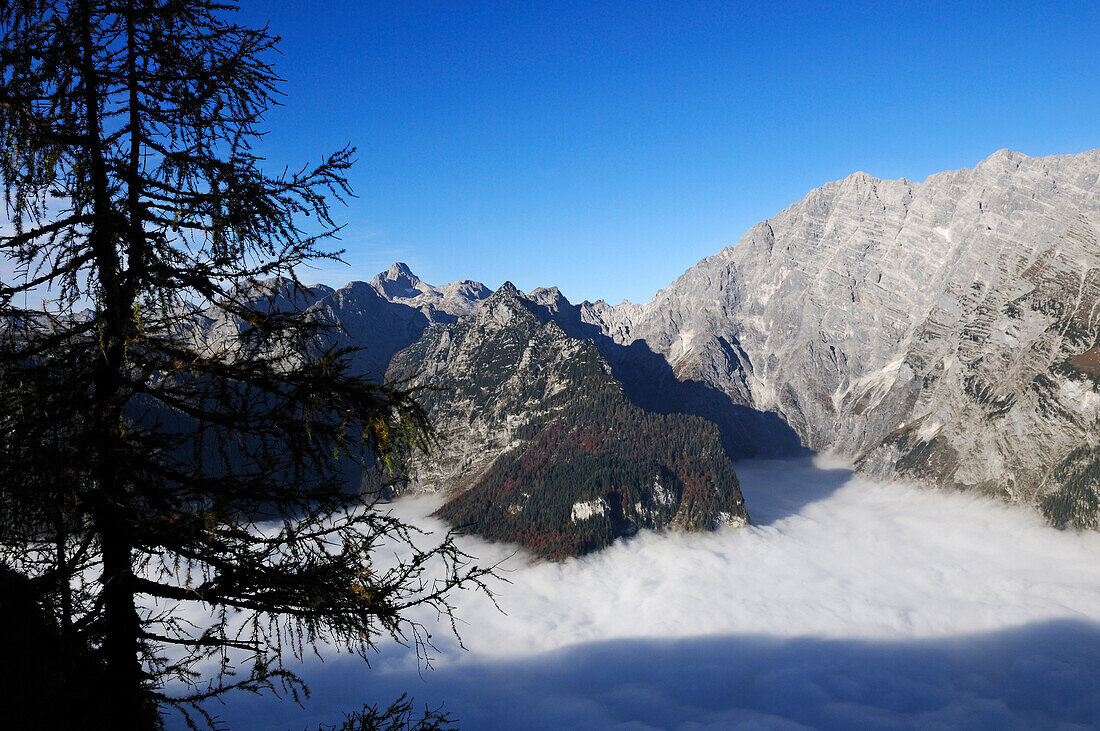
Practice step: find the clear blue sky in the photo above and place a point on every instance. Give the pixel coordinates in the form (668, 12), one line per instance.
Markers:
(607, 147)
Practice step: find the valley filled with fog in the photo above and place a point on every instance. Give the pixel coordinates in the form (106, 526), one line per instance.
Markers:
(847, 602)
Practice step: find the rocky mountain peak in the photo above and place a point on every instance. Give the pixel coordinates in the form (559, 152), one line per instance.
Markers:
(399, 285)
(356, 289)
(543, 446)
(546, 295)
(507, 291)
(468, 289)
(552, 304)
(400, 270)
(1006, 154)
(398, 282)
(505, 307)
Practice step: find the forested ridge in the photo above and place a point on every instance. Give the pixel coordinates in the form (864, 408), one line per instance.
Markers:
(580, 464)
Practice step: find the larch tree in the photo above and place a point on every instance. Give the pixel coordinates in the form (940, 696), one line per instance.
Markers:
(150, 473)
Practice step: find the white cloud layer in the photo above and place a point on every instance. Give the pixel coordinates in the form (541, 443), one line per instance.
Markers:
(848, 603)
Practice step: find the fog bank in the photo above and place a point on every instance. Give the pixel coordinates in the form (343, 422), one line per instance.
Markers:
(847, 602)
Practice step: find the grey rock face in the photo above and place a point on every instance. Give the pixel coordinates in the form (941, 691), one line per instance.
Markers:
(499, 370)
(924, 328)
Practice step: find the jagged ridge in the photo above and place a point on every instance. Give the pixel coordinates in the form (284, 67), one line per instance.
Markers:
(540, 445)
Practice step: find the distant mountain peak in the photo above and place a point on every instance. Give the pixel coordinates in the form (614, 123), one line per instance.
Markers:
(400, 269)
(547, 292)
(507, 307)
(1004, 152)
(508, 290)
(398, 273)
(398, 282)
(549, 297)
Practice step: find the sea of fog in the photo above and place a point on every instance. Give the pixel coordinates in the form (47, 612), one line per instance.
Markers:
(848, 603)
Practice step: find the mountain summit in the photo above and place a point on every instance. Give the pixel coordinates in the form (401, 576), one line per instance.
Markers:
(398, 282)
(936, 330)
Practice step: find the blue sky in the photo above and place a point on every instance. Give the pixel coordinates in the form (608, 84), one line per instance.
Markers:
(607, 147)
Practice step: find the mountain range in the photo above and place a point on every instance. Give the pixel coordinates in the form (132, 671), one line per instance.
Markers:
(944, 331)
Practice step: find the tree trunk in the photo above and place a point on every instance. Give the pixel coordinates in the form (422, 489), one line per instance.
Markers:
(127, 700)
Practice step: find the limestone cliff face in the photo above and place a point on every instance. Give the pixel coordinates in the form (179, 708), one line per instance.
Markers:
(930, 329)
(539, 444)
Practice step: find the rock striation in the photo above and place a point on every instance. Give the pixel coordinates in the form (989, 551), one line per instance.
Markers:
(940, 330)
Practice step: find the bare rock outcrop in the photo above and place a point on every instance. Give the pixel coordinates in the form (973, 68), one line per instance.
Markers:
(937, 330)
